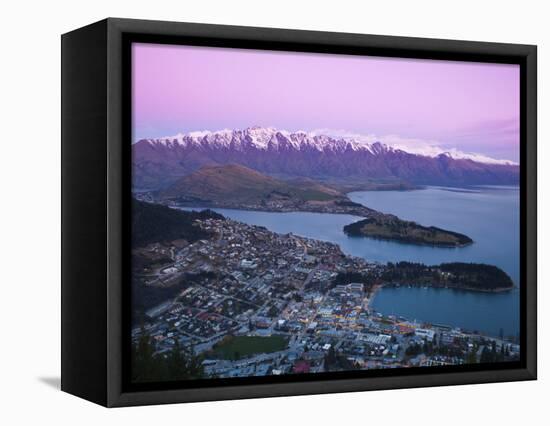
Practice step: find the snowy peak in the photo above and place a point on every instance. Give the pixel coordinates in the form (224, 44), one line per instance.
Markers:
(478, 158)
(262, 138)
(160, 162)
(271, 139)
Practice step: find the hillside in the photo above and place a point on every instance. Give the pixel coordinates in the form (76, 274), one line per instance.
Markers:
(239, 185)
(152, 223)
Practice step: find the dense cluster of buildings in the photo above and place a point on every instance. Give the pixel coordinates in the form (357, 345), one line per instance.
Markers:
(247, 281)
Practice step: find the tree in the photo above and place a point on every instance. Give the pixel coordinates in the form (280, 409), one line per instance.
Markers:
(491, 355)
(330, 358)
(179, 364)
(194, 368)
(485, 355)
(413, 350)
(273, 311)
(142, 358)
(472, 356)
(176, 362)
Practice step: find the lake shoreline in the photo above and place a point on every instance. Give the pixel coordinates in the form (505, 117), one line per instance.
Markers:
(488, 216)
(379, 299)
(451, 287)
(362, 212)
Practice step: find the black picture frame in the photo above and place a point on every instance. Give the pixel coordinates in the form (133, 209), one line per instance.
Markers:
(96, 134)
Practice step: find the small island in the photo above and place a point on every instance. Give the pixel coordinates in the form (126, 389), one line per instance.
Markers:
(458, 275)
(389, 227)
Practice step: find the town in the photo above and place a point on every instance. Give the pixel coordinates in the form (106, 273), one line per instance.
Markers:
(250, 302)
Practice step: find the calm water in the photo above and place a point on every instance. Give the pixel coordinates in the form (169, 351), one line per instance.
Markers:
(484, 312)
(489, 215)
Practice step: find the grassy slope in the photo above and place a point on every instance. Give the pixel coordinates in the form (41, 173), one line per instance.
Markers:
(244, 346)
(241, 184)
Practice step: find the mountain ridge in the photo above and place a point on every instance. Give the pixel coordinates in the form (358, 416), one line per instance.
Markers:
(159, 162)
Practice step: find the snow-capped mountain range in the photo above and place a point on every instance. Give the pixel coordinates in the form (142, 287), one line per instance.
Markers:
(160, 161)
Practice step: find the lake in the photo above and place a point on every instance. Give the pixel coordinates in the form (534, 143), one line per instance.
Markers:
(488, 215)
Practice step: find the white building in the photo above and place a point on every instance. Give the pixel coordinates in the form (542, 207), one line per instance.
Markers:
(425, 333)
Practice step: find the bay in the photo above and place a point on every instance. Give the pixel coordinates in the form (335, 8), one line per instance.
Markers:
(488, 215)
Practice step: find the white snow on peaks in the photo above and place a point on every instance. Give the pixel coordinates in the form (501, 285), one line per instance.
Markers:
(259, 136)
(426, 148)
(197, 134)
(432, 149)
(478, 158)
(270, 138)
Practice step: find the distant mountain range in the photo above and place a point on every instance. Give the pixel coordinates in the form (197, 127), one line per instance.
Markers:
(158, 163)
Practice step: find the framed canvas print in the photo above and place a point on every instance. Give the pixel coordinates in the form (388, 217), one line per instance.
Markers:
(252, 212)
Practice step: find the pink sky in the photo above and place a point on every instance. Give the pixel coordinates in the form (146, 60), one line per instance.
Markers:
(472, 107)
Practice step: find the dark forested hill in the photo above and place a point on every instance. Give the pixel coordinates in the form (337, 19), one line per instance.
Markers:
(469, 276)
(388, 227)
(155, 223)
